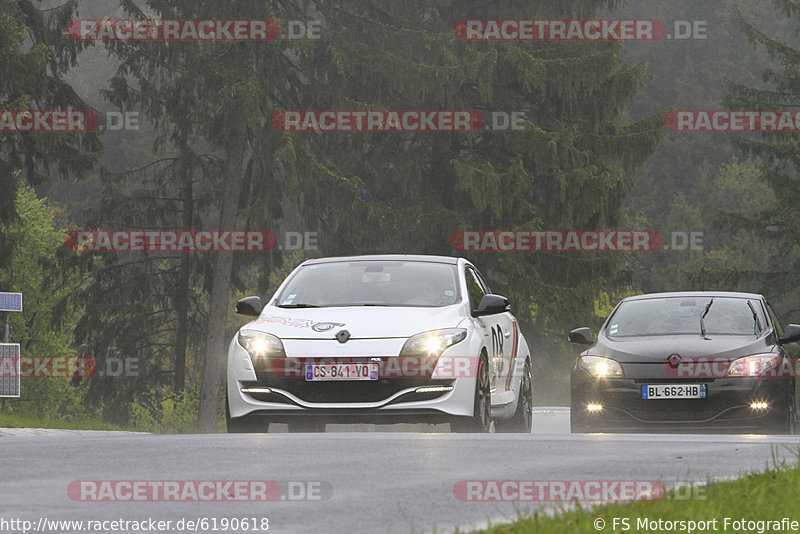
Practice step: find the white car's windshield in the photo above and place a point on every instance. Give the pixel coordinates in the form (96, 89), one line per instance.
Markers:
(371, 283)
(670, 316)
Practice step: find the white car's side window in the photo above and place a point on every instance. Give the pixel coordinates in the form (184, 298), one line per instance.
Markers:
(474, 288)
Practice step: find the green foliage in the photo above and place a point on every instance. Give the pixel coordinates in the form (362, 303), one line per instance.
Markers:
(366, 193)
(38, 269)
(290, 261)
(16, 421)
(164, 411)
(693, 178)
(35, 53)
(774, 223)
(570, 168)
(605, 302)
(764, 496)
(591, 157)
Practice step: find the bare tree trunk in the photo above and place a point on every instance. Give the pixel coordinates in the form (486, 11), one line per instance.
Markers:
(182, 303)
(221, 280)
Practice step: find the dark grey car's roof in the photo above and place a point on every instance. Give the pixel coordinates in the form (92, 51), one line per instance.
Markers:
(697, 294)
(386, 257)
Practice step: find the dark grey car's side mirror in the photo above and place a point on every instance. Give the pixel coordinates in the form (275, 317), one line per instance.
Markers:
(491, 305)
(581, 336)
(249, 306)
(790, 334)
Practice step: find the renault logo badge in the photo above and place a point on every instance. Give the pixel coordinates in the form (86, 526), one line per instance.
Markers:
(674, 360)
(342, 336)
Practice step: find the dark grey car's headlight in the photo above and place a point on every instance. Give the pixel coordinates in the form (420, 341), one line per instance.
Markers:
(600, 367)
(754, 365)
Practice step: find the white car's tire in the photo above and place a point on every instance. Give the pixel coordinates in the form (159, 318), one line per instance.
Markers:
(481, 419)
(245, 424)
(522, 420)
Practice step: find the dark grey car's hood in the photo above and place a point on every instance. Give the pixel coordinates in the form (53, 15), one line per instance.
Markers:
(656, 349)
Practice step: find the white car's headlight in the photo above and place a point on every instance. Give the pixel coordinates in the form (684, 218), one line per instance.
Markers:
(433, 343)
(755, 365)
(260, 346)
(600, 367)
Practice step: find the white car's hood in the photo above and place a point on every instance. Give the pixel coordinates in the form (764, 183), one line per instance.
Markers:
(363, 322)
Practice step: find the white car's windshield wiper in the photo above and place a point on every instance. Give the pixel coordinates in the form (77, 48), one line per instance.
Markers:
(298, 306)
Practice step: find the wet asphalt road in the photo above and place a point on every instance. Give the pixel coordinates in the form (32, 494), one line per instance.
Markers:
(382, 482)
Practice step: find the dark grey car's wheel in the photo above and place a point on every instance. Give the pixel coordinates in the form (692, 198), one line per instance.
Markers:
(522, 421)
(789, 424)
(481, 420)
(577, 424)
(244, 424)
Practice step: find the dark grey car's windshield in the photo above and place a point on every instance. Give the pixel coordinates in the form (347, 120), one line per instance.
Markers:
(681, 315)
(372, 283)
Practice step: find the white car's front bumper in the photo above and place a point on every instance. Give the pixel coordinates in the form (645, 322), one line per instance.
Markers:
(282, 401)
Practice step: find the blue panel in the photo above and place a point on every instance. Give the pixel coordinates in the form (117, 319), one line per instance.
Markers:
(9, 369)
(11, 302)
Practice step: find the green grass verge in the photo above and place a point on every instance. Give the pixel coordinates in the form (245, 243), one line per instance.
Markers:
(768, 496)
(16, 421)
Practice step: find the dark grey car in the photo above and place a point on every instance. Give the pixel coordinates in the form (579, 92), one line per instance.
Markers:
(687, 361)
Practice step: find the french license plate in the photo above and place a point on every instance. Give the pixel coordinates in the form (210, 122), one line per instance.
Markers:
(341, 371)
(674, 391)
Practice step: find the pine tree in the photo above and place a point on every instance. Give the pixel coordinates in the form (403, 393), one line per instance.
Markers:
(778, 151)
(570, 169)
(401, 192)
(35, 54)
(205, 100)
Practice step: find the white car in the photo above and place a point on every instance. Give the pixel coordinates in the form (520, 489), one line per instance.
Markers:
(380, 339)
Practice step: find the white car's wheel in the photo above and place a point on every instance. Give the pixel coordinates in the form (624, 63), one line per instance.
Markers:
(245, 424)
(522, 420)
(481, 420)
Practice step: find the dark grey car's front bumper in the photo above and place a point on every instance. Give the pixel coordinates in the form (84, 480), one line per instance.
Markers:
(727, 406)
